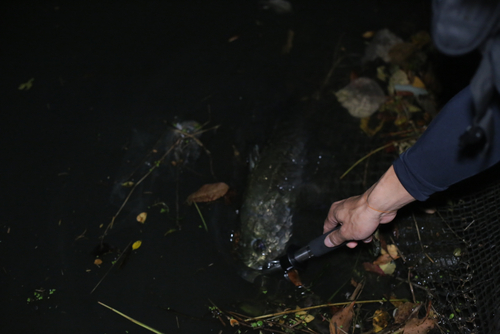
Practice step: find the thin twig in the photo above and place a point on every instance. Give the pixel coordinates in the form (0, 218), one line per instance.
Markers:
(411, 286)
(201, 216)
(110, 225)
(366, 156)
(107, 272)
(132, 319)
(325, 305)
(399, 250)
(452, 230)
(419, 239)
(335, 62)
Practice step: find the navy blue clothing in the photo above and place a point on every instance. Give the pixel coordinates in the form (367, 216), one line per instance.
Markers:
(435, 162)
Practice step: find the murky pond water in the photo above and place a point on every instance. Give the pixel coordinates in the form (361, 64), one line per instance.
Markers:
(110, 79)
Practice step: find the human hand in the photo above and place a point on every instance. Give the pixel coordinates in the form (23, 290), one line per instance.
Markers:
(359, 221)
(361, 215)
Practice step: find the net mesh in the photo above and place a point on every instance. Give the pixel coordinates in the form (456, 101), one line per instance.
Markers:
(452, 254)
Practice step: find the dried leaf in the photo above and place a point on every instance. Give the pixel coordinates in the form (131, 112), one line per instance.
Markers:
(368, 34)
(383, 259)
(419, 326)
(233, 322)
(373, 268)
(392, 250)
(136, 244)
(403, 312)
(208, 193)
(97, 262)
(388, 268)
(141, 218)
(342, 320)
(385, 263)
(293, 276)
(417, 82)
(380, 320)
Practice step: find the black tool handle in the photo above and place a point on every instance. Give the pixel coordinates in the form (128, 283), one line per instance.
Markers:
(318, 247)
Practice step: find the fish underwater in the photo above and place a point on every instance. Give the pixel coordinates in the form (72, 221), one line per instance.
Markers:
(267, 211)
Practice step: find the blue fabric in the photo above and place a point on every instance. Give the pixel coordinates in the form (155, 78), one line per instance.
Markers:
(435, 162)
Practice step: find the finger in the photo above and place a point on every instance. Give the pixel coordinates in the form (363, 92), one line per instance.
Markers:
(329, 225)
(352, 244)
(334, 239)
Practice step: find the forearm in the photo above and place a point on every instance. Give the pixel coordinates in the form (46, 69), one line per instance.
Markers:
(436, 162)
(388, 194)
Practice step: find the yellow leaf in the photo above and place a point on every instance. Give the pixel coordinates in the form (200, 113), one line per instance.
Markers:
(97, 262)
(392, 250)
(368, 34)
(380, 320)
(388, 268)
(136, 244)
(26, 85)
(141, 218)
(309, 318)
(418, 83)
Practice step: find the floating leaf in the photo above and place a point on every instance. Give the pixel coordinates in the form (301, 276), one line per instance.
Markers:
(293, 276)
(373, 268)
(141, 218)
(172, 230)
(136, 244)
(419, 326)
(342, 320)
(388, 268)
(208, 193)
(417, 82)
(392, 250)
(26, 85)
(403, 312)
(380, 320)
(368, 34)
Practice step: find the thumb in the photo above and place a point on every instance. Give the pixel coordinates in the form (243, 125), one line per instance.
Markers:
(335, 238)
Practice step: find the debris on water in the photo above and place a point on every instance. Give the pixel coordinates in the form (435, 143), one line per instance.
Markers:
(380, 320)
(208, 193)
(141, 218)
(136, 244)
(341, 321)
(277, 6)
(362, 97)
(380, 45)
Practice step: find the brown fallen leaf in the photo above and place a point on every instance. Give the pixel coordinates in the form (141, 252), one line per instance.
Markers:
(97, 262)
(141, 218)
(208, 193)
(383, 259)
(373, 268)
(293, 276)
(341, 321)
(380, 320)
(368, 34)
(392, 250)
(403, 312)
(419, 326)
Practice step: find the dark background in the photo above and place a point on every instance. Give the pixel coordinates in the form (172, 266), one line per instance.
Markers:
(107, 72)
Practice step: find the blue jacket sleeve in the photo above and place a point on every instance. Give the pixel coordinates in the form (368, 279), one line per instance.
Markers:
(435, 162)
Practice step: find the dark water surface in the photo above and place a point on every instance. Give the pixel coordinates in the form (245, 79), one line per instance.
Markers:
(108, 78)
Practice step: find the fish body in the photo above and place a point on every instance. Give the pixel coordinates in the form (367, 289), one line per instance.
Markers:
(267, 210)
